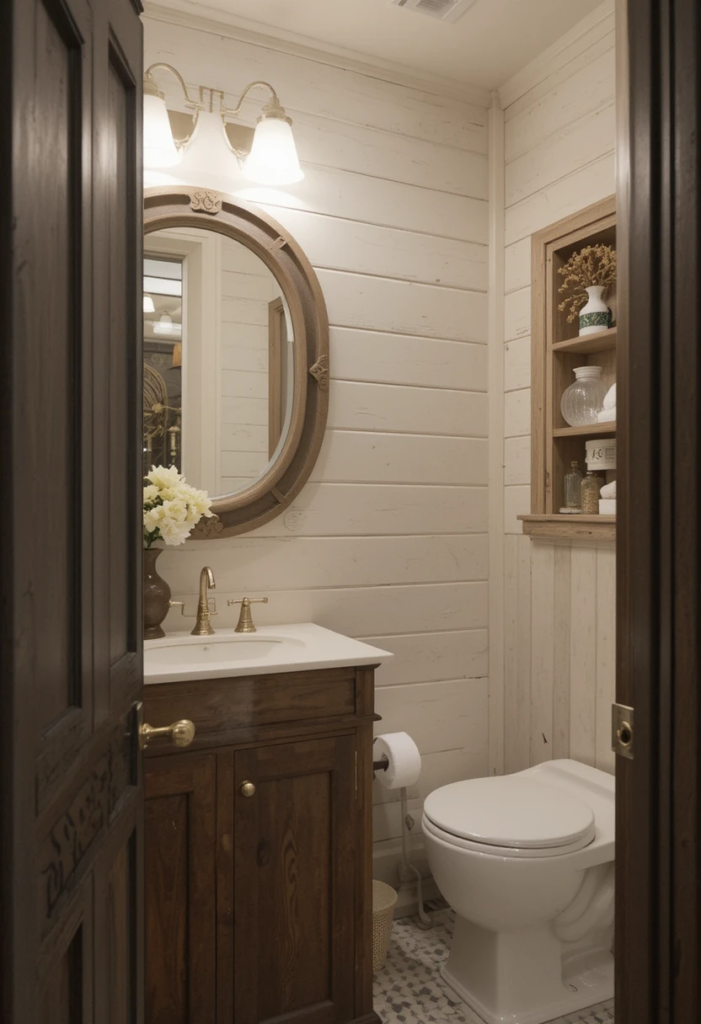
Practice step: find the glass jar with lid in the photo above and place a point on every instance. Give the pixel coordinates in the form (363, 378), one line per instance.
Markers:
(590, 489)
(583, 401)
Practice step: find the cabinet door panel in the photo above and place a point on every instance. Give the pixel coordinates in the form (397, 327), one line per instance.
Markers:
(180, 889)
(294, 853)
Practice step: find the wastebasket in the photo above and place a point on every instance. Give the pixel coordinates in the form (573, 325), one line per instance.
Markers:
(383, 900)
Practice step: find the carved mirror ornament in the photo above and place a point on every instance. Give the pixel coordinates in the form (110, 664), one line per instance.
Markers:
(287, 472)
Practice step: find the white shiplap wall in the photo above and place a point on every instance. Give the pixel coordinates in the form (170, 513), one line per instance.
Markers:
(559, 599)
(388, 542)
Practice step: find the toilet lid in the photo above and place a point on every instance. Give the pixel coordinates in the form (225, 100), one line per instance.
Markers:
(512, 812)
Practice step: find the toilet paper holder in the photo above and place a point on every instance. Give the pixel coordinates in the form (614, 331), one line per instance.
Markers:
(382, 765)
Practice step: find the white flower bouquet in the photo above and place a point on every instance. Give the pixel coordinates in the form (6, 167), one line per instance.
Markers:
(171, 507)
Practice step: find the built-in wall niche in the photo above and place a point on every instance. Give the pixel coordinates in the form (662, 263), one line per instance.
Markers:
(556, 349)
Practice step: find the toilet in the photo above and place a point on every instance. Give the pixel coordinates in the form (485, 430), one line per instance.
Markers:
(527, 863)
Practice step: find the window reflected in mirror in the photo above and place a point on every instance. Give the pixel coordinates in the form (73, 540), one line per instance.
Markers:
(218, 359)
(163, 304)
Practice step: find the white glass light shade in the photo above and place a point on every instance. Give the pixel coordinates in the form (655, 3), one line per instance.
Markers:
(208, 161)
(159, 148)
(273, 158)
(148, 304)
(166, 327)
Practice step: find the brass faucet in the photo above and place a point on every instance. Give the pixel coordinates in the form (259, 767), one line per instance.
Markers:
(203, 626)
(245, 623)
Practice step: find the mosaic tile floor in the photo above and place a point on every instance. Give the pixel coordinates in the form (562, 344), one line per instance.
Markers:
(411, 991)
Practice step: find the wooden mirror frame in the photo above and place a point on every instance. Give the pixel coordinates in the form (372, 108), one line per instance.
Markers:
(178, 207)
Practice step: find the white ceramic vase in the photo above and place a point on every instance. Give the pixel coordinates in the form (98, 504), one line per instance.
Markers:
(595, 316)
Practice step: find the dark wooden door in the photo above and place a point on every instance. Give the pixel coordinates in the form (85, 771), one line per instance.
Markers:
(70, 544)
(294, 877)
(181, 889)
(658, 855)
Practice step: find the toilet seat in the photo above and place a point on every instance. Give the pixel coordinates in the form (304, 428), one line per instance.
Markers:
(509, 816)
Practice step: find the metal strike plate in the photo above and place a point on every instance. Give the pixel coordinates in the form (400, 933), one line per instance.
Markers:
(622, 731)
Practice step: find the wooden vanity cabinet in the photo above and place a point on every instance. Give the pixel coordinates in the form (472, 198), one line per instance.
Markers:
(258, 851)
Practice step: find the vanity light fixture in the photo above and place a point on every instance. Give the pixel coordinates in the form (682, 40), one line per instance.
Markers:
(166, 327)
(266, 155)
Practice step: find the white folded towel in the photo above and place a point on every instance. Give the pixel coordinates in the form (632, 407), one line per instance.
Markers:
(607, 415)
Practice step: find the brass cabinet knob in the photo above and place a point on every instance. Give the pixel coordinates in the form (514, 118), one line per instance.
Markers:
(247, 788)
(180, 733)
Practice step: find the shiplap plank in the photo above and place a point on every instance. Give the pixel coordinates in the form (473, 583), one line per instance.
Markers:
(517, 364)
(378, 201)
(583, 655)
(517, 413)
(244, 384)
(273, 563)
(547, 72)
(563, 103)
(412, 410)
(314, 86)
(426, 657)
(587, 185)
(517, 653)
(542, 652)
(375, 357)
(404, 307)
(562, 625)
(337, 244)
(350, 456)
(389, 155)
(335, 510)
(517, 502)
(517, 461)
(517, 265)
(605, 655)
(517, 314)
(561, 154)
(438, 716)
(356, 611)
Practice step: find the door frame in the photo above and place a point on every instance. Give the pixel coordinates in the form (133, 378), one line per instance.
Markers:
(658, 826)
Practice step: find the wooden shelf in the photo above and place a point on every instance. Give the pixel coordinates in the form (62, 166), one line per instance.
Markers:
(591, 430)
(601, 342)
(554, 527)
(554, 357)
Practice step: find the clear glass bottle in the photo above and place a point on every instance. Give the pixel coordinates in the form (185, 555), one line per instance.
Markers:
(583, 401)
(573, 483)
(590, 491)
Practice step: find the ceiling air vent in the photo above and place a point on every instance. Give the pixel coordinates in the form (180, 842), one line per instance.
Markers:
(443, 10)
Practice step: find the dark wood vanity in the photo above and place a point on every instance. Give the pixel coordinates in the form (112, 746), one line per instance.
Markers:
(258, 850)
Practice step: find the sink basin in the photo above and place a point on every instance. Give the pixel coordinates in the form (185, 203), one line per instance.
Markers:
(292, 648)
(218, 650)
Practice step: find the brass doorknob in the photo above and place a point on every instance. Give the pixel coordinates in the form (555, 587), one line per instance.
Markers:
(181, 733)
(247, 788)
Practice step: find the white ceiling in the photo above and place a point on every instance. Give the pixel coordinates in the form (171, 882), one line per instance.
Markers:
(492, 41)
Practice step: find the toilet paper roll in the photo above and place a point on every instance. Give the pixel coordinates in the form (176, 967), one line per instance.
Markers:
(404, 760)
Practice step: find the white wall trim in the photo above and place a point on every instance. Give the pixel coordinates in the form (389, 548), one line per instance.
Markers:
(561, 52)
(496, 436)
(221, 23)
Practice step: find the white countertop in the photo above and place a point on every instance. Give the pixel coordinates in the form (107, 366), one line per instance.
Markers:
(292, 648)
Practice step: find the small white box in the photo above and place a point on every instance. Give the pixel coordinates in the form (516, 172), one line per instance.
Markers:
(607, 506)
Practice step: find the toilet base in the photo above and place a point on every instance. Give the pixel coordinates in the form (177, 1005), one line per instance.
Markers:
(518, 977)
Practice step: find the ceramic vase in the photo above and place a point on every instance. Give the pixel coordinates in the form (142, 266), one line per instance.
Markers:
(595, 316)
(156, 596)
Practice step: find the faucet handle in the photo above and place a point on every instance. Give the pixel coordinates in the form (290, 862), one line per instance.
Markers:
(245, 623)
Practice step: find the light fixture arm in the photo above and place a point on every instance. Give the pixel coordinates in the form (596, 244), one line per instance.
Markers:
(272, 107)
(151, 86)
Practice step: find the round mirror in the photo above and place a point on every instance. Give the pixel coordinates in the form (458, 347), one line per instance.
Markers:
(235, 355)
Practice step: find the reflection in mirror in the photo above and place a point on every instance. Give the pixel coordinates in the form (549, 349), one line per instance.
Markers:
(218, 351)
